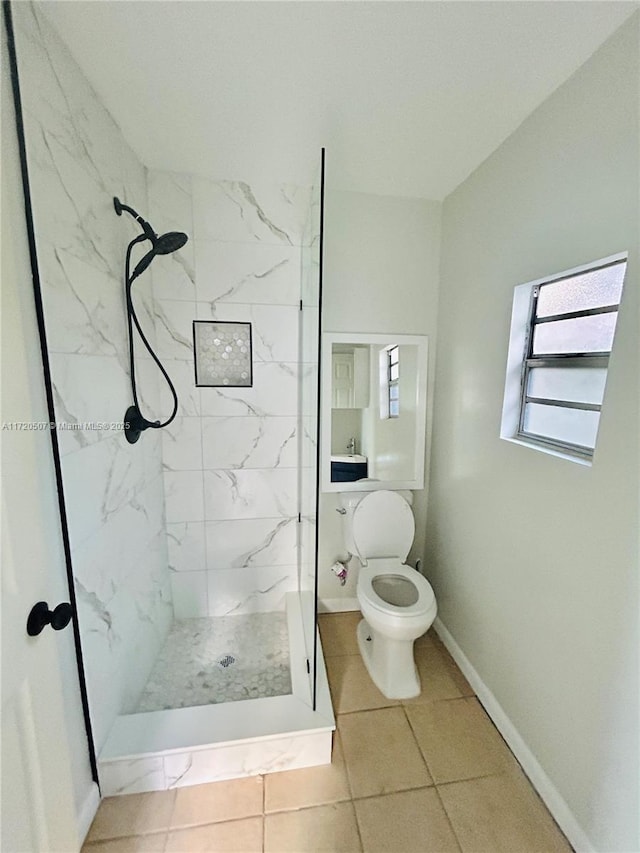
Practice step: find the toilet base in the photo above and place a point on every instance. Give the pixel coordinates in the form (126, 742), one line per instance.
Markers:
(389, 662)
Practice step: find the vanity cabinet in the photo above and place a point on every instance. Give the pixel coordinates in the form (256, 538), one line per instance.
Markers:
(348, 472)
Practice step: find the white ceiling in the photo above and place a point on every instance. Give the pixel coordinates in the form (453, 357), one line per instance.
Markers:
(407, 97)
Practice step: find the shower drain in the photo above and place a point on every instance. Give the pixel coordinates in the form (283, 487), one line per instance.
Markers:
(226, 660)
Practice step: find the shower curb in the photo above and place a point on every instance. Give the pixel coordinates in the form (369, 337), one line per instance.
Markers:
(161, 750)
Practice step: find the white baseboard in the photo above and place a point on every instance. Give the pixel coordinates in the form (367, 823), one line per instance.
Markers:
(552, 798)
(87, 811)
(337, 605)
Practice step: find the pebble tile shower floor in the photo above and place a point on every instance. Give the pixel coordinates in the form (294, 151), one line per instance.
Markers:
(226, 659)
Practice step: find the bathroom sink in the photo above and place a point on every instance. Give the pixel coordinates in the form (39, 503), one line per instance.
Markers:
(352, 458)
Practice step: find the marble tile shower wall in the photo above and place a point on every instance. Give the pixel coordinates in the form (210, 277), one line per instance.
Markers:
(78, 160)
(231, 459)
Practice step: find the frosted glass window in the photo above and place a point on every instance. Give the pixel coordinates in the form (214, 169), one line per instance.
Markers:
(593, 289)
(573, 426)
(574, 384)
(566, 338)
(581, 334)
(393, 382)
(222, 354)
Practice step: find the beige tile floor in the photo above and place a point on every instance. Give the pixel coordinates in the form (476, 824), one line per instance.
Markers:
(429, 775)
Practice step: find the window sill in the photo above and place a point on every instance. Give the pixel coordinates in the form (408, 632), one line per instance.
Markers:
(561, 454)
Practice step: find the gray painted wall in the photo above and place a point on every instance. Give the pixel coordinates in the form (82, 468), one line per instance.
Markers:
(534, 559)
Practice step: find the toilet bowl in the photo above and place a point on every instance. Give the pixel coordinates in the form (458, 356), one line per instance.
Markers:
(396, 601)
(398, 606)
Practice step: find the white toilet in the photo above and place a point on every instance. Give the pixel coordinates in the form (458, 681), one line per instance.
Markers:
(397, 602)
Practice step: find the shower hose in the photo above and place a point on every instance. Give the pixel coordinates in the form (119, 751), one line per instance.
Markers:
(132, 320)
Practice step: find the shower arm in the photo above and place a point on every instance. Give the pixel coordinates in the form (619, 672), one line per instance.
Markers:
(148, 230)
(140, 423)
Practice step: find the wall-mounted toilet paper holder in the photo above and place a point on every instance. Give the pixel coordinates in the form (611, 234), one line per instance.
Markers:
(340, 569)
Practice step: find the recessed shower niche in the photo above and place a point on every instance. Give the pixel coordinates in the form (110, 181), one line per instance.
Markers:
(222, 354)
(193, 549)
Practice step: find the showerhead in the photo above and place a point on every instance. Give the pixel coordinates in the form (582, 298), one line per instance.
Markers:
(163, 245)
(170, 242)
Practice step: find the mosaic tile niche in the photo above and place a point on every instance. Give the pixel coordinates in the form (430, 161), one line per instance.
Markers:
(222, 354)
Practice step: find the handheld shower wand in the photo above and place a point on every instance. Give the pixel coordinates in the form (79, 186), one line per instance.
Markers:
(135, 422)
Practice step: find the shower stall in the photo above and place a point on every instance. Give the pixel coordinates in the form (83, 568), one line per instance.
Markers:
(191, 538)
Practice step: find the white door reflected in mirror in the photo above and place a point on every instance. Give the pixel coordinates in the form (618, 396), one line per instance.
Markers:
(374, 420)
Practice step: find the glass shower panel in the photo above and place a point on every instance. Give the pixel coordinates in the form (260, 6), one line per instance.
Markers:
(311, 297)
(194, 582)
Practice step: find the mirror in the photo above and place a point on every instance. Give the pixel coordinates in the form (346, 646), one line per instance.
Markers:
(374, 400)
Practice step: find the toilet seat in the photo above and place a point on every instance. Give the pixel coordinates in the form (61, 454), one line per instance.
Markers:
(379, 568)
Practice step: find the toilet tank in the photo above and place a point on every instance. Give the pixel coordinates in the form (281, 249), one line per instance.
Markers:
(402, 543)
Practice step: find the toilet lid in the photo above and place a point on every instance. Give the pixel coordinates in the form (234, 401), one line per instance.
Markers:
(383, 526)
